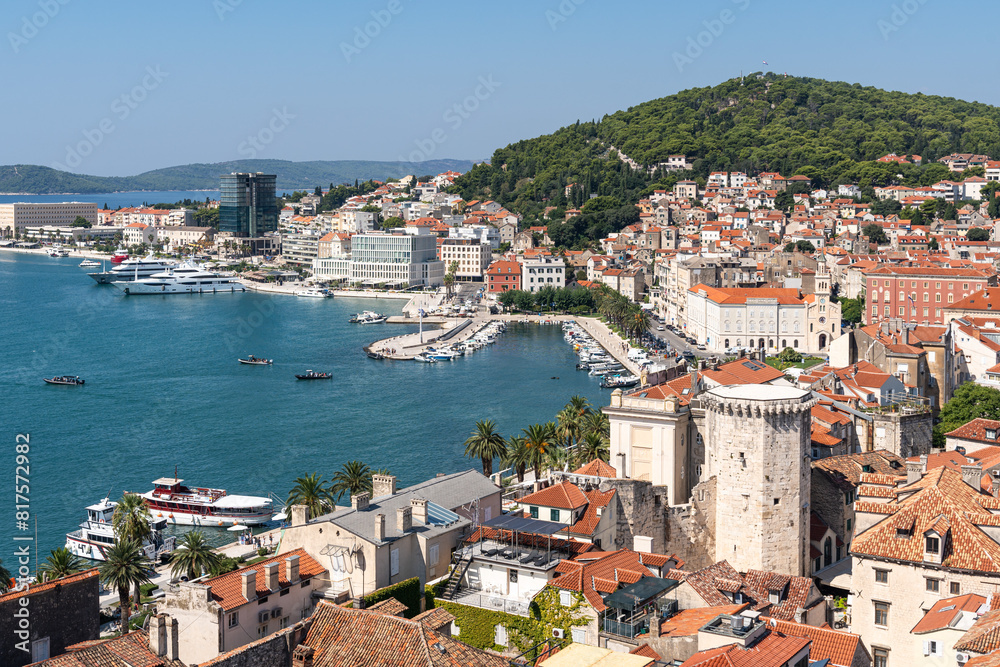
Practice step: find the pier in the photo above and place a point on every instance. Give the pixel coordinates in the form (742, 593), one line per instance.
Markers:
(408, 346)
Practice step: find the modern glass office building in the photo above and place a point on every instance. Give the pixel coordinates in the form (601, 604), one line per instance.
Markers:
(247, 205)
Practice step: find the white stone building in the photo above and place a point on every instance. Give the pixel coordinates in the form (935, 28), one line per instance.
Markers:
(473, 257)
(17, 217)
(542, 271)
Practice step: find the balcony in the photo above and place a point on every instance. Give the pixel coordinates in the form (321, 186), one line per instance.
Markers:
(484, 600)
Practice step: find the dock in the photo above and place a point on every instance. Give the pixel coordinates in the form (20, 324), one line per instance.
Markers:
(408, 346)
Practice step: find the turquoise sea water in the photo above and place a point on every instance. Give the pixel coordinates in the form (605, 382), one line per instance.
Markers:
(164, 389)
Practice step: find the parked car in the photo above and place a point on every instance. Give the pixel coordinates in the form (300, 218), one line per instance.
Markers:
(661, 328)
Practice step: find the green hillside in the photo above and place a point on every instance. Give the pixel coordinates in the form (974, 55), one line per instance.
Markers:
(829, 131)
(34, 179)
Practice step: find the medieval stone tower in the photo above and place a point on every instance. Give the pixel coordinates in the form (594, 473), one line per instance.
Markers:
(758, 450)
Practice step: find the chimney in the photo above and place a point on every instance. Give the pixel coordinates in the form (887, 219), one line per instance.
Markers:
(914, 471)
(300, 515)
(380, 528)
(173, 639)
(383, 485)
(302, 656)
(359, 501)
(973, 475)
(158, 635)
(404, 519)
(292, 569)
(418, 508)
(996, 483)
(923, 463)
(271, 576)
(248, 584)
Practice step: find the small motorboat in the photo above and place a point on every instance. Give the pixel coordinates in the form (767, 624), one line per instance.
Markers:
(64, 379)
(255, 361)
(374, 355)
(89, 264)
(313, 293)
(313, 375)
(368, 317)
(423, 358)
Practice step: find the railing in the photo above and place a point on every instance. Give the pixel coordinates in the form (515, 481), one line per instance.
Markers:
(629, 629)
(515, 607)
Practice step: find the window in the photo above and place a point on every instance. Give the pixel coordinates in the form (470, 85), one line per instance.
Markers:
(881, 656)
(565, 599)
(534, 512)
(850, 523)
(933, 585)
(234, 619)
(882, 614)
(933, 545)
(40, 649)
(434, 554)
(554, 515)
(394, 562)
(955, 588)
(881, 576)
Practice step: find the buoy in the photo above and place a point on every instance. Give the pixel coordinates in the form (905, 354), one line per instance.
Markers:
(220, 523)
(159, 514)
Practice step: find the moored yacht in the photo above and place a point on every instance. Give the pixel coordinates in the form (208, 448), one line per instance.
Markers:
(130, 270)
(96, 535)
(179, 504)
(187, 278)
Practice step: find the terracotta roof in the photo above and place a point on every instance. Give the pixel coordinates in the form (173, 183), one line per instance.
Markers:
(227, 589)
(827, 644)
(976, 430)
(939, 494)
(773, 650)
(688, 622)
(987, 299)
(597, 468)
(435, 618)
(34, 589)
(389, 606)
(587, 523)
(946, 612)
(365, 638)
(131, 650)
(604, 574)
(735, 295)
(984, 636)
(845, 471)
(646, 651)
(564, 495)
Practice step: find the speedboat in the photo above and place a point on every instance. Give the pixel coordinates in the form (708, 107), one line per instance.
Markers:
(313, 375)
(440, 355)
(374, 355)
(188, 278)
(313, 293)
(368, 317)
(96, 535)
(89, 264)
(130, 270)
(65, 379)
(196, 506)
(254, 361)
(424, 358)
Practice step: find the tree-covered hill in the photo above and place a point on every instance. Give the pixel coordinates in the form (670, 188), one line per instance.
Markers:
(34, 179)
(829, 131)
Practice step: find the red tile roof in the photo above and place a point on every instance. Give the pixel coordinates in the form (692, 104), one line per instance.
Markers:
(605, 575)
(34, 589)
(587, 523)
(131, 650)
(564, 495)
(945, 612)
(733, 295)
(827, 644)
(984, 636)
(773, 650)
(597, 468)
(976, 430)
(688, 622)
(227, 589)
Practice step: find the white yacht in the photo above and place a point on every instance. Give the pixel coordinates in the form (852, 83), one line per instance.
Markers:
(313, 293)
(96, 535)
(89, 264)
(130, 270)
(187, 278)
(57, 251)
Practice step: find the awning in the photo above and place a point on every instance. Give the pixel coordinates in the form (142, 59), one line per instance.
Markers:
(642, 591)
(520, 524)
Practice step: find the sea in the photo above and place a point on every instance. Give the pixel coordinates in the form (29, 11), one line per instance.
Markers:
(115, 200)
(164, 393)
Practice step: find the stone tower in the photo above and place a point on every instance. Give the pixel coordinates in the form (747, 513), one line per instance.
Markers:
(758, 451)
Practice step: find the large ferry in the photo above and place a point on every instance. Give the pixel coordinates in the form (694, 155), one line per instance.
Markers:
(187, 278)
(96, 535)
(179, 504)
(130, 270)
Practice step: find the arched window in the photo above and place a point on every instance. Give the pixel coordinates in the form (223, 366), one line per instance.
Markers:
(784, 326)
(727, 344)
(751, 325)
(727, 325)
(796, 326)
(784, 343)
(739, 325)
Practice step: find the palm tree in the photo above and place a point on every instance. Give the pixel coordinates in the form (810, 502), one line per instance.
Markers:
(312, 492)
(596, 421)
(124, 567)
(485, 443)
(193, 556)
(593, 446)
(516, 456)
(540, 439)
(4, 579)
(568, 426)
(60, 563)
(353, 477)
(131, 521)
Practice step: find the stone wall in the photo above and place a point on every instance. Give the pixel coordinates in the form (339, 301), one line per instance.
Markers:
(691, 528)
(827, 500)
(275, 650)
(66, 613)
(641, 511)
(903, 435)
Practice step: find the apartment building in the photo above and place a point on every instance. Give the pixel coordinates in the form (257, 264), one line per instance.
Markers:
(16, 218)
(919, 294)
(472, 256)
(542, 271)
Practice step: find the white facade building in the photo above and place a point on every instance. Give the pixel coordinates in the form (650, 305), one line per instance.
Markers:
(472, 256)
(401, 259)
(764, 317)
(542, 271)
(15, 218)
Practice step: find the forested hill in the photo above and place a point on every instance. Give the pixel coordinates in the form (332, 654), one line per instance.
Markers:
(34, 179)
(825, 130)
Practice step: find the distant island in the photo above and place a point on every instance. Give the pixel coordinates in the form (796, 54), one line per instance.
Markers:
(38, 180)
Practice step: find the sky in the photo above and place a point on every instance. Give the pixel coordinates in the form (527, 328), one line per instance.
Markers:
(118, 87)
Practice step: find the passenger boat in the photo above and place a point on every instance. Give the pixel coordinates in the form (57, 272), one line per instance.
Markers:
(65, 379)
(57, 251)
(313, 375)
(129, 270)
(313, 293)
(196, 506)
(254, 361)
(96, 535)
(89, 264)
(187, 278)
(368, 317)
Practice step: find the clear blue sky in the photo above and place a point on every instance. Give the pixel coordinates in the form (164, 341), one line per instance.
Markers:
(221, 79)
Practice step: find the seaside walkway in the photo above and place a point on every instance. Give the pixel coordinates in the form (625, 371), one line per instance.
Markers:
(610, 341)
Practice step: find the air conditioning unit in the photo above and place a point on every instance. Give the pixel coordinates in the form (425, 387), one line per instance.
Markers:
(263, 616)
(558, 633)
(276, 612)
(962, 658)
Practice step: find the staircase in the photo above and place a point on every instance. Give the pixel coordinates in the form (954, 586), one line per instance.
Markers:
(454, 581)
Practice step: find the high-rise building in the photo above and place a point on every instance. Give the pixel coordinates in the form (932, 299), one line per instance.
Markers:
(247, 205)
